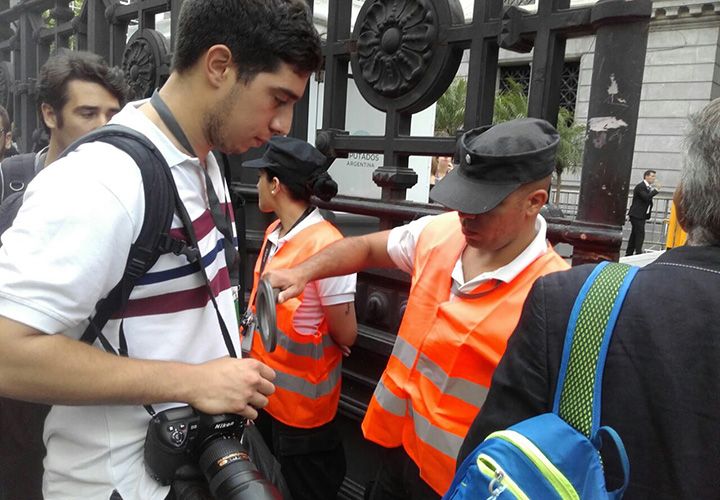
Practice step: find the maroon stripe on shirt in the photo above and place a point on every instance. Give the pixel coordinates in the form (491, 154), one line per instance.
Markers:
(176, 301)
(202, 225)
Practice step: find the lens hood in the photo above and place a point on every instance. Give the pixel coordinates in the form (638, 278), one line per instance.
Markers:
(265, 314)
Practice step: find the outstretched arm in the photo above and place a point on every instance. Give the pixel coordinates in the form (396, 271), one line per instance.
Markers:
(345, 256)
(55, 369)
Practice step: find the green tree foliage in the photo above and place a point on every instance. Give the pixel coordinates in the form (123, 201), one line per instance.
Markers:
(450, 109)
(509, 105)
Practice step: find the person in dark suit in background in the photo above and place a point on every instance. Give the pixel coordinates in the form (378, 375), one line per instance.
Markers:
(640, 209)
(663, 365)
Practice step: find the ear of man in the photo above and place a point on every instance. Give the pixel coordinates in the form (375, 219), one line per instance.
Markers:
(219, 66)
(49, 116)
(536, 195)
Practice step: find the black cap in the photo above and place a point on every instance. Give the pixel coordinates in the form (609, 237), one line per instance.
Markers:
(496, 160)
(292, 159)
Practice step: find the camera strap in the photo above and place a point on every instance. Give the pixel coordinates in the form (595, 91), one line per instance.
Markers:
(223, 226)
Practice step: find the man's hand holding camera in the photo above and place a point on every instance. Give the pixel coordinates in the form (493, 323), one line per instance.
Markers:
(228, 385)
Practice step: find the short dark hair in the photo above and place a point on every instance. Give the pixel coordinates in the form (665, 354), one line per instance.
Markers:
(648, 172)
(5, 123)
(68, 65)
(259, 33)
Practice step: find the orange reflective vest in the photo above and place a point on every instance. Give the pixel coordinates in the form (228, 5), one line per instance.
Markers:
(308, 367)
(445, 354)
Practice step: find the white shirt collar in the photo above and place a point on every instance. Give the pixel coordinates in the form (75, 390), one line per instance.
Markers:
(508, 272)
(313, 218)
(40, 159)
(132, 117)
(647, 184)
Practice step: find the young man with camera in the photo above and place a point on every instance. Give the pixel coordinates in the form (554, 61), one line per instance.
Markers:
(238, 69)
(77, 92)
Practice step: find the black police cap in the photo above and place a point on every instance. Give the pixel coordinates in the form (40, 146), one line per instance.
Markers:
(496, 160)
(292, 159)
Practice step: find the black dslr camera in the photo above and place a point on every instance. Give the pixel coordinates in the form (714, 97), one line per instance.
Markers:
(183, 443)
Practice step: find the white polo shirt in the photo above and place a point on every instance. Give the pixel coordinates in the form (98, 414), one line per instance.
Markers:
(65, 251)
(402, 242)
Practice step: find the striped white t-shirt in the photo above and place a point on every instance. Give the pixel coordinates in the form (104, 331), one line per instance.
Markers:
(66, 250)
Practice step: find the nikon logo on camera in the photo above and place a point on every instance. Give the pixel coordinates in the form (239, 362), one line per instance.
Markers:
(223, 425)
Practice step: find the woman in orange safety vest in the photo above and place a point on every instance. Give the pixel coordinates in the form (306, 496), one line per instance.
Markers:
(314, 329)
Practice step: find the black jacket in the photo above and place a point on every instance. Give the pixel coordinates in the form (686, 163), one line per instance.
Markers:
(661, 388)
(641, 205)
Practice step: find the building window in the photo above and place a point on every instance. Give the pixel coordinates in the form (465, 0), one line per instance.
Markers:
(569, 85)
(519, 74)
(518, 3)
(568, 88)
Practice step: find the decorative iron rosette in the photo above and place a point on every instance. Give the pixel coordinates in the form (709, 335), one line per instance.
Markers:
(6, 85)
(402, 60)
(145, 62)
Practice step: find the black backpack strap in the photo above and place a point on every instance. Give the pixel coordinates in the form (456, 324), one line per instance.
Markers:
(154, 238)
(15, 174)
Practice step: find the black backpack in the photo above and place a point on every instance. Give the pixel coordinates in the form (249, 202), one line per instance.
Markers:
(15, 173)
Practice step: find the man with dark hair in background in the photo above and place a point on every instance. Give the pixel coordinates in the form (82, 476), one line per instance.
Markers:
(239, 67)
(640, 210)
(660, 382)
(77, 92)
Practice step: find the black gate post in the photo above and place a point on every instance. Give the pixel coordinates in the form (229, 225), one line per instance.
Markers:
(98, 34)
(612, 124)
(26, 74)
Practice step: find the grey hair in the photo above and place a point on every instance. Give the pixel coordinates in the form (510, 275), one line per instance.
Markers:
(698, 196)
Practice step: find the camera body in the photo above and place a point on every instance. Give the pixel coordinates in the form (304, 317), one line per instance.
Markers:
(177, 437)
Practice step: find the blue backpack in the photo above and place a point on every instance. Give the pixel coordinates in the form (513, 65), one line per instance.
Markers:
(557, 455)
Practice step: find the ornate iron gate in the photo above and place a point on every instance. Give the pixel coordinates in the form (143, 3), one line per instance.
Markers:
(403, 54)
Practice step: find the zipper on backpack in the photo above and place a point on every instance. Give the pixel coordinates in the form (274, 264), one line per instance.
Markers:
(557, 479)
(499, 479)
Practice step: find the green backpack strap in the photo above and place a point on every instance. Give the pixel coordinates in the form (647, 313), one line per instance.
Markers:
(590, 327)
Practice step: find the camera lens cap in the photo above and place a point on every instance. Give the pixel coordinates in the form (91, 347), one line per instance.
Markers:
(265, 314)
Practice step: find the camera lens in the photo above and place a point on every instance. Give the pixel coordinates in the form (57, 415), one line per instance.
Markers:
(230, 473)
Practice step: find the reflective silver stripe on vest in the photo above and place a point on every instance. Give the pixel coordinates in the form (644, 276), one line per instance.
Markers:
(308, 350)
(472, 393)
(389, 401)
(306, 388)
(405, 352)
(443, 441)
